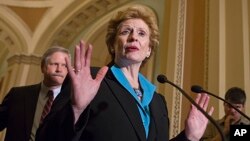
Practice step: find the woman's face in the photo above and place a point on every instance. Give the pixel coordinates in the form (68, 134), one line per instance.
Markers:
(132, 42)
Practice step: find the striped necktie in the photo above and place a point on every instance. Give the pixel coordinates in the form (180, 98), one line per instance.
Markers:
(47, 106)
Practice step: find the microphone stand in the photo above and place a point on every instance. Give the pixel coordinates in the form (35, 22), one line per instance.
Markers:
(164, 79)
(204, 91)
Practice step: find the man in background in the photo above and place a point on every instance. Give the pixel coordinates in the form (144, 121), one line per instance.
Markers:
(237, 97)
(24, 108)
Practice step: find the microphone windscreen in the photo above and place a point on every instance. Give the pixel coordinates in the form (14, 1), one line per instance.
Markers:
(162, 78)
(197, 89)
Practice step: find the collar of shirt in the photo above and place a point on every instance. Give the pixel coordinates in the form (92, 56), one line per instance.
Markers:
(45, 89)
(148, 88)
(148, 92)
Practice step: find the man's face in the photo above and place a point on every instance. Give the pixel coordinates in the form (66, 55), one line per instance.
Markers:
(231, 111)
(55, 70)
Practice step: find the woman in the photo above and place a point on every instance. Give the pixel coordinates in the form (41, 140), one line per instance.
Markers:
(120, 103)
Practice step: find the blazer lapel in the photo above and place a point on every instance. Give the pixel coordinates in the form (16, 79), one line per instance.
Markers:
(30, 101)
(62, 99)
(128, 103)
(159, 117)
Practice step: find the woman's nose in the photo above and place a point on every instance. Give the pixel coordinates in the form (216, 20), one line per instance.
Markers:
(133, 36)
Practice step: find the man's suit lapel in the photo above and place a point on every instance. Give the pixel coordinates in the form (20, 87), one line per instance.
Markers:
(30, 101)
(127, 103)
(63, 98)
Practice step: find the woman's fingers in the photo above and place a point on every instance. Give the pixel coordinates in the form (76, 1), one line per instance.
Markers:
(71, 70)
(210, 112)
(203, 100)
(101, 73)
(82, 56)
(88, 55)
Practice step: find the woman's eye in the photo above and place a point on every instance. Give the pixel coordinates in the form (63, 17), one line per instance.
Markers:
(142, 33)
(124, 32)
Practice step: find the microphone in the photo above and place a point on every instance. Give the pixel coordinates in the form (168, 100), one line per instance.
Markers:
(199, 89)
(163, 79)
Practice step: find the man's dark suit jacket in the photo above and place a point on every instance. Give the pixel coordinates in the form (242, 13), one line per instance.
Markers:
(112, 116)
(18, 109)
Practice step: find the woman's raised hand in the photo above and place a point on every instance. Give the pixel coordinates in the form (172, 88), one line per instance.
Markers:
(84, 86)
